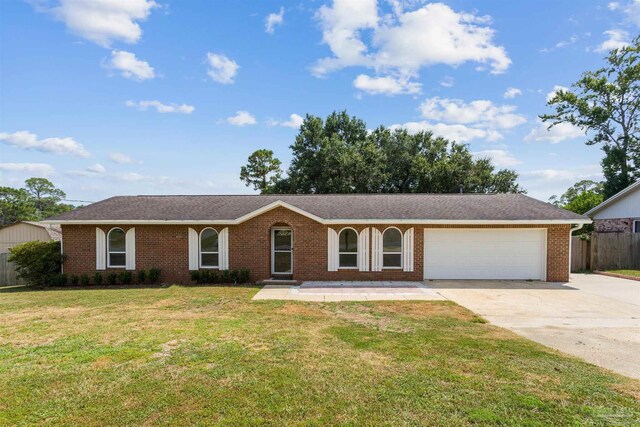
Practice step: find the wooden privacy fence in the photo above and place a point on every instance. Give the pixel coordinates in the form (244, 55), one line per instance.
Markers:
(8, 275)
(610, 251)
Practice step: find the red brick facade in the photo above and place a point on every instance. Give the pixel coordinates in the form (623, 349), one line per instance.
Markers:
(166, 247)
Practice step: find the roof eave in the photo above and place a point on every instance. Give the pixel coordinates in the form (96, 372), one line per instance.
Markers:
(620, 194)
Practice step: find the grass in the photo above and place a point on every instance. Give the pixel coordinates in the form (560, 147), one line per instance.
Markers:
(631, 273)
(211, 356)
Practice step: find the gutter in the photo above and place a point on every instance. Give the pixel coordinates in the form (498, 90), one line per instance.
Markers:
(576, 228)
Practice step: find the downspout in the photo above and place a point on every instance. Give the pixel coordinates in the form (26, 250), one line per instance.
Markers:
(576, 228)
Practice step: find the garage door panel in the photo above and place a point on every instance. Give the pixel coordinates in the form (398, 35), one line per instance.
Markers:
(485, 254)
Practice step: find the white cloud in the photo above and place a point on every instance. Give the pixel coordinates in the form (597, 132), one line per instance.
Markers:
(447, 81)
(614, 5)
(295, 121)
(160, 107)
(479, 113)
(616, 39)
(500, 158)
(556, 134)
(386, 85)
(555, 90)
(129, 177)
(272, 20)
(241, 118)
(404, 42)
(96, 168)
(129, 66)
(512, 92)
(29, 141)
(120, 158)
(39, 169)
(102, 21)
(454, 132)
(221, 69)
(633, 12)
(542, 183)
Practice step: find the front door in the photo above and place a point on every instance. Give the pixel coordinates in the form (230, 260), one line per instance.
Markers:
(282, 250)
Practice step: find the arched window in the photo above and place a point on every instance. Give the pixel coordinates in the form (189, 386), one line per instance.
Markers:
(392, 248)
(348, 248)
(209, 248)
(116, 248)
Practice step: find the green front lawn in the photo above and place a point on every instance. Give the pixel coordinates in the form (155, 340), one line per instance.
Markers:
(632, 273)
(210, 355)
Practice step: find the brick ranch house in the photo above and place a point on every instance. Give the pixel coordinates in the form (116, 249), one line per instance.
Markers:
(620, 213)
(324, 237)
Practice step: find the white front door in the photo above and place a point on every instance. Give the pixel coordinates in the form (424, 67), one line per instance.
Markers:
(485, 253)
(281, 250)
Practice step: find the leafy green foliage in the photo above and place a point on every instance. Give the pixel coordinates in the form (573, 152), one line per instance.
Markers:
(606, 104)
(74, 279)
(262, 170)
(38, 263)
(39, 199)
(142, 277)
(97, 278)
(112, 278)
(125, 277)
(154, 275)
(580, 198)
(84, 279)
(339, 155)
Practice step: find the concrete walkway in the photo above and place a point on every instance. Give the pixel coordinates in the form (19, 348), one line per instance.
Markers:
(594, 317)
(349, 291)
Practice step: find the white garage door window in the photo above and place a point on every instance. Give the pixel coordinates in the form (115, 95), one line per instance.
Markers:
(497, 253)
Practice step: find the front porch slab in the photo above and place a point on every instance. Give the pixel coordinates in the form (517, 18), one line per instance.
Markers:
(350, 291)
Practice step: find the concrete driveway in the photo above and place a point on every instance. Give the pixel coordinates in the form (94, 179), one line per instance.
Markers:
(593, 317)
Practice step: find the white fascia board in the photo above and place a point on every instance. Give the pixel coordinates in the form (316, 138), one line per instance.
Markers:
(278, 204)
(330, 221)
(464, 222)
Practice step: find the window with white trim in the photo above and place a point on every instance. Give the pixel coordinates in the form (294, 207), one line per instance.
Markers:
(636, 226)
(348, 248)
(116, 248)
(209, 252)
(392, 248)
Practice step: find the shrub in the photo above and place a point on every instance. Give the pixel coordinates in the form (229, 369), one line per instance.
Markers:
(224, 276)
(38, 263)
(234, 276)
(84, 279)
(97, 278)
(74, 279)
(195, 276)
(126, 277)
(154, 275)
(244, 275)
(142, 277)
(214, 277)
(60, 280)
(205, 276)
(112, 278)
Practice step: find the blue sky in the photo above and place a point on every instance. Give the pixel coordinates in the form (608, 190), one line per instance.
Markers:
(108, 97)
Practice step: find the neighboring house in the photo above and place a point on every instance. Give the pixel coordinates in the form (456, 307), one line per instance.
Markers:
(27, 231)
(324, 237)
(620, 213)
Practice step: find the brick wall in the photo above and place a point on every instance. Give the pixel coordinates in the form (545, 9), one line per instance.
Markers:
(616, 225)
(166, 247)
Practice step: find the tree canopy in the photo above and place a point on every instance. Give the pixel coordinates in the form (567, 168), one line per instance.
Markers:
(340, 155)
(38, 200)
(606, 104)
(262, 170)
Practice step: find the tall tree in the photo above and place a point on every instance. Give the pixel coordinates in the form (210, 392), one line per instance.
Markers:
(16, 205)
(262, 170)
(606, 104)
(339, 155)
(46, 198)
(581, 197)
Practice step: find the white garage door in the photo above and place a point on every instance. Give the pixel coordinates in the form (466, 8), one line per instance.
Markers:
(517, 254)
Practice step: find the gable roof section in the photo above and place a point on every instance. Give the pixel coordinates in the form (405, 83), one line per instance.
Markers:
(615, 198)
(54, 231)
(324, 208)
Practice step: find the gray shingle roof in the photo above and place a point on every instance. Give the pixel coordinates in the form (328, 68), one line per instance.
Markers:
(454, 207)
